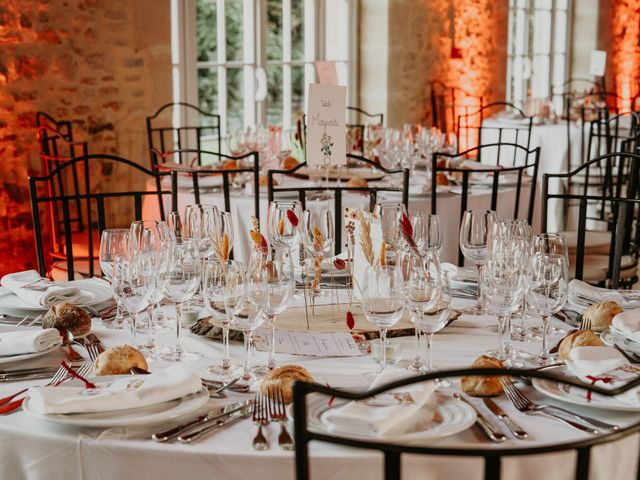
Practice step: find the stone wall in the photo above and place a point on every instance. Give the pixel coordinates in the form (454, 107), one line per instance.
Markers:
(104, 64)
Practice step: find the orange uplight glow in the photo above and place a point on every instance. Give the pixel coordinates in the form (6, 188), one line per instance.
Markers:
(625, 53)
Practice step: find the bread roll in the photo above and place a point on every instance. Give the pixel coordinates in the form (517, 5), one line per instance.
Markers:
(119, 360)
(357, 182)
(69, 317)
(483, 386)
(601, 314)
(283, 378)
(577, 338)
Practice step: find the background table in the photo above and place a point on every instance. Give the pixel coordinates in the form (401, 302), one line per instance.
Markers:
(38, 450)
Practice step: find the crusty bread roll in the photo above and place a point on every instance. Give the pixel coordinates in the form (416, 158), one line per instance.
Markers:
(577, 338)
(283, 378)
(69, 317)
(119, 360)
(482, 386)
(357, 182)
(601, 314)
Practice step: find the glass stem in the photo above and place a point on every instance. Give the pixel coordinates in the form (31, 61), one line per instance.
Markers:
(226, 361)
(418, 359)
(119, 317)
(134, 324)
(479, 290)
(247, 347)
(502, 327)
(271, 364)
(178, 349)
(428, 343)
(383, 348)
(545, 333)
(150, 340)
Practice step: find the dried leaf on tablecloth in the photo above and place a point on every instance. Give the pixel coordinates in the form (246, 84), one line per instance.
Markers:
(351, 322)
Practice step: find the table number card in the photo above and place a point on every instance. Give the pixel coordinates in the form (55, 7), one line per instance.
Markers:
(327, 73)
(315, 344)
(326, 130)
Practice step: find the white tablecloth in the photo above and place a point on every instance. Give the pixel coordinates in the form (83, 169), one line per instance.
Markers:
(37, 450)
(448, 209)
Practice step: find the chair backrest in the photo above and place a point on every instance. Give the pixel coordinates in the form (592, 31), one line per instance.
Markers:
(179, 125)
(94, 198)
(359, 116)
(451, 165)
(492, 456)
(63, 126)
(621, 210)
(226, 166)
(485, 125)
(56, 149)
(607, 135)
(339, 189)
(448, 102)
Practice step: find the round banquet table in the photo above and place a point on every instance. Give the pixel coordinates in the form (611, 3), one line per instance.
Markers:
(36, 449)
(448, 208)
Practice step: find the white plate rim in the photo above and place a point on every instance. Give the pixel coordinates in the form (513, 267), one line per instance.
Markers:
(188, 404)
(548, 388)
(27, 356)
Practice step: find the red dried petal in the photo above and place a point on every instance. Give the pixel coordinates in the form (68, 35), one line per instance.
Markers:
(331, 399)
(351, 322)
(293, 218)
(339, 263)
(406, 226)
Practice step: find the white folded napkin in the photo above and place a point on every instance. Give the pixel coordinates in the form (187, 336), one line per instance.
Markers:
(628, 323)
(53, 294)
(28, 341)
(578, 288)
(464, 274)
(129, 392)
(367, 419)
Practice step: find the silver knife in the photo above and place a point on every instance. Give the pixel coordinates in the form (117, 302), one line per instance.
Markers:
(27, 376)
(517, 431)
(487, 427)
(212, 415)
(217, 424)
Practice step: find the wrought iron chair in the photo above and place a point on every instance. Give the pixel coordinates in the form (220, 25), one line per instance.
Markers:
(448, 102)
(339, 189)
(619, 263)
(225, 166)
(90, 166)
(361, 114)
(450, 164)
(472, 129)
(63, 126)
(492, 456)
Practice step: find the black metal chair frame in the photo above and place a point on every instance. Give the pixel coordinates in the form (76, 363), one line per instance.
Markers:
(492, 457)
(446, 102)
(623, 209)
(196, 173)
(495, 186)
(367, 114)
(88, 197)
(465, 124)
(372, 191)
(64, 127)
(52, 143)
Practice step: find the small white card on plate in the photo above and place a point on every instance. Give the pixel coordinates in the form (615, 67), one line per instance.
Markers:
(316, 344)
(326, 129)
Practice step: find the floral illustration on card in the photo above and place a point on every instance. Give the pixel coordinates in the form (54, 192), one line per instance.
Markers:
(326, 144)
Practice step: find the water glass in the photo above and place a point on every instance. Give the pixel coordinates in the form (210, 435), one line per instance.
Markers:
(113, 242)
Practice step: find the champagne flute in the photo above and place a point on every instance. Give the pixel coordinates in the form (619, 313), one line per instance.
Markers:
(317, 238)
(427, 232)
(221, 236)
(183, 279)
(390, 215)
(474, 233)
(422, 292)
(244, 303)
(382, 301)
(113, 242)
(213, 293)
(135, 276)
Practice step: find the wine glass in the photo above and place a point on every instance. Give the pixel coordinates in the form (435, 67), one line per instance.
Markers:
(134, 273)
(272, 278)
(422, 294)
(244, 303)
(183, 279)
(390, 215)
(113, 242)
(382, 301)
(200, 222)
(221, 236)
(213, 294)
(283, 223)
(427, 232)
(317, 238)
(175, 225)
(474, 233)
(152, 237)
(548, 282)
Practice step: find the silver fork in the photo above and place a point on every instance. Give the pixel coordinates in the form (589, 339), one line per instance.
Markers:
(525, 405)
(92, 350)
(585, 323)
(278, 414)
(260, 418)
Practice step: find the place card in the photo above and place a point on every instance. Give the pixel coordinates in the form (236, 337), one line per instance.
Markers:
(327, 72)
(315, 344)
(326, 129)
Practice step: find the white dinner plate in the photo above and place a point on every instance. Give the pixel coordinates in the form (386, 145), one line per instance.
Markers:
(346, 174)
(151, 414)
(98, 293)
(612, 336)
(578, 396)
(204, 181)
(441, 416)
(26, 356)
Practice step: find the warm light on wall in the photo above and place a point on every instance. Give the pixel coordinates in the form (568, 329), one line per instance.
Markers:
(625, 53)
